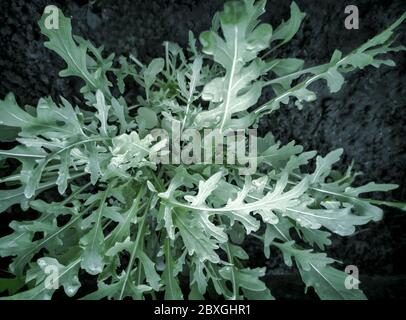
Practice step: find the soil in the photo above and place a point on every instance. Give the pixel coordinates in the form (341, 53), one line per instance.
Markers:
(367, 117)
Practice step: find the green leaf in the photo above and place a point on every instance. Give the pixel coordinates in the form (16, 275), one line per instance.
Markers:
(12, 115)
(205, 190)
(67, 275)
(150, 73)
(345, 194)
(316, 237)
(258, 295)
(247, 278)
(120, 110)
(286, 31)
(16, 196)
(146, 119)
(314, 268)
(331, 215)
(273, 154)
(172, 291)
(151, 275)
(194, 293)
(324, 165)
(367, 54)
(384, 36)
(394, 204)
(329, 283)
(278, 231)
(287, 66)
(74, 54)
(102, 112)
(243, 39)
(113, 290)
(199, 277)
(63, 173)
(197, 237)
(12, 285)
(92, 242)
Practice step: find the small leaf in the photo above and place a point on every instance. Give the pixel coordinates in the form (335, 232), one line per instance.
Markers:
(154, 68)
(288, 29)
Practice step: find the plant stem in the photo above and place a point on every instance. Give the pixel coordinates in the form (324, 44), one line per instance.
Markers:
(231, 260)
(138, 239)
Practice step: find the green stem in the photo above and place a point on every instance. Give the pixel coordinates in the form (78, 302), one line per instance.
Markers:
(304, 84)
(74, 194)
(231, 260)
(138, 239)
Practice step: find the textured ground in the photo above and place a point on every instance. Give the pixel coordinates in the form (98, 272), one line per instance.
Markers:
(367, 117)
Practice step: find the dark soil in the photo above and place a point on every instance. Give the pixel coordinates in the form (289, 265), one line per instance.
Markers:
(367, 117)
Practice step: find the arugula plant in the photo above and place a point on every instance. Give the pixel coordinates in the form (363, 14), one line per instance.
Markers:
(144, 230)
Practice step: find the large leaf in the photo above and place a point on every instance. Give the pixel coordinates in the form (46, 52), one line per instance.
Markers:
(75, 54)
(329, 283)
(243, 39)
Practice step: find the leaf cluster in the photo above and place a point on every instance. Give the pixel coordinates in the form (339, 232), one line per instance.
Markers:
(148, 230)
